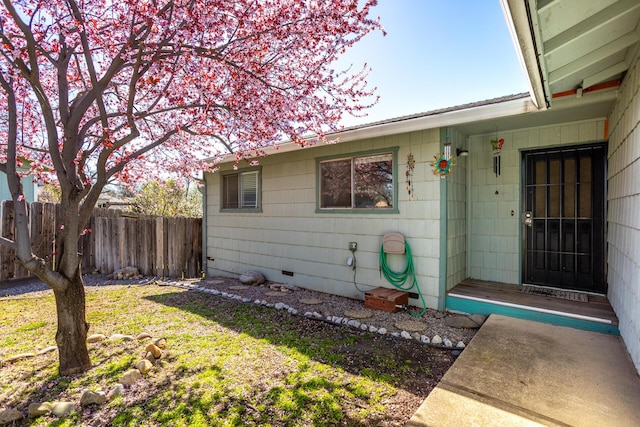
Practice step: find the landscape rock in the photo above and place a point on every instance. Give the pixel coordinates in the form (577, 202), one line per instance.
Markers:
(461, 321)
(90, 397)
(142, 336)
(10, 415)
(425, 339)
(122, 337)
(252, 277)
(382, 331)
(129, 272)
(96, 338)
(280, 306)
(144, 366)
(130, 377)
(406, 335)
(460, 344)
(447, 342)
(354, 323)
(62, 409)
(436, 340)
(150, 358)
(415, 336)
(154, 350)
(115, 391)
(373, 329)
(36, 410)
(160, 342)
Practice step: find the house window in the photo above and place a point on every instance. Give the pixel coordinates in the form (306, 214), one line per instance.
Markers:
(359, 182)
(241, 190)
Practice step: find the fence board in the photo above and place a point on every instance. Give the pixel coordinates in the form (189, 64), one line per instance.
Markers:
(158, 246)
(7, 254)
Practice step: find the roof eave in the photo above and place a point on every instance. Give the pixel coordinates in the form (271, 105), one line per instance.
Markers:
(523, 37)
(452, 117)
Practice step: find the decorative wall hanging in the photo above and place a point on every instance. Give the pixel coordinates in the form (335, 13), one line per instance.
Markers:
(496, 145)
(443, 165)
(496, 148)
(411, 164)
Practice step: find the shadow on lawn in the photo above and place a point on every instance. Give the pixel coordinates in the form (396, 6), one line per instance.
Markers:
(401, 364)
(383, 358)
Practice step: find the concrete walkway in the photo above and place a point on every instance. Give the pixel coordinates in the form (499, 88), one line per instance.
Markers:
(522, 373)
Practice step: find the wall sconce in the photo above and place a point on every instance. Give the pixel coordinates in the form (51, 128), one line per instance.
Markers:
(460, 152)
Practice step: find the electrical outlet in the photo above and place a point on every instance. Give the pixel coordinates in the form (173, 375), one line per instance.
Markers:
(353, 246)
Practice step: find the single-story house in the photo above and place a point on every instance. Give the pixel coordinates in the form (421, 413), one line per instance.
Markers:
(545, 189)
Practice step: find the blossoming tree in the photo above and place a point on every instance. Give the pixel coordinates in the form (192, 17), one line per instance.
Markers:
(98, 90)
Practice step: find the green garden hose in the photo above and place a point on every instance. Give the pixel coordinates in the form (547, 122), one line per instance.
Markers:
(399, 279)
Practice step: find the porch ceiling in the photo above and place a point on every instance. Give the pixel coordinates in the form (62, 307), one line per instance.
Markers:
(578, 45)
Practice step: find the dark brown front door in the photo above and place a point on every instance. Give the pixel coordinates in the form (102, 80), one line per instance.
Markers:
(563, 218)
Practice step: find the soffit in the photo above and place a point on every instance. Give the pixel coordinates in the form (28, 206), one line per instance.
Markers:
(583, 44)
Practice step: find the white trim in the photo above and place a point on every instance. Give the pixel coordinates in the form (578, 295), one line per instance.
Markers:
(536, 309)
(517, 20)
(430, 121)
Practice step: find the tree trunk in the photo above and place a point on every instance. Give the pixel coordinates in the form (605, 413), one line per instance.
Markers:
(71, 337)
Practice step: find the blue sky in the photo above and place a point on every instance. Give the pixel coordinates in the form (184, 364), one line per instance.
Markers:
(436, 54)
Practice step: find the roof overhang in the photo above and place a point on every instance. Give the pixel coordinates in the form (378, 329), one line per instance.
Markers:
(490, 110)
(572, 47)
(517, 19)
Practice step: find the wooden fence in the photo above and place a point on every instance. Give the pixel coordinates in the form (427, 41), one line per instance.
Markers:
(158, 246)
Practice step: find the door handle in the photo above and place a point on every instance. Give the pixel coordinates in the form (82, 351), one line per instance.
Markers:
(528, 219)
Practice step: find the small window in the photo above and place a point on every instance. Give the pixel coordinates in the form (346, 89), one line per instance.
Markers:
(363, 182)
(240, 190)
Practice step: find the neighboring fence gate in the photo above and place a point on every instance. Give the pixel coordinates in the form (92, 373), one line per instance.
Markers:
(158, 246)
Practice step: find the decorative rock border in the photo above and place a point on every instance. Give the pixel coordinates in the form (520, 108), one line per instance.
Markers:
(153, 351)
(435, 342)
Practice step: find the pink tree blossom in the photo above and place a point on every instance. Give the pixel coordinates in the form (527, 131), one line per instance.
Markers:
(101, 90)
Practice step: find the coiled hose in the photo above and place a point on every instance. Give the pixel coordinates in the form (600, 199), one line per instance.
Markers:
(399, 279)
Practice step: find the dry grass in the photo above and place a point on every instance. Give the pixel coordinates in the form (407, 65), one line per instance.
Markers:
(227, 363)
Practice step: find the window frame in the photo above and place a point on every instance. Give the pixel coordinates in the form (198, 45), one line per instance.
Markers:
(238, 173)
(351, 156)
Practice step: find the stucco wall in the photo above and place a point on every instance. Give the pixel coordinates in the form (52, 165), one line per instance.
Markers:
(457, 215)
(624, 212)
(290, 236)
(495, 234)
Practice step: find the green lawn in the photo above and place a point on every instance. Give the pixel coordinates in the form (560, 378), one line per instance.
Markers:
(226, 363)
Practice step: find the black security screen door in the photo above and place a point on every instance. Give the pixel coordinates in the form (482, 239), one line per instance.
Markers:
(563, 218)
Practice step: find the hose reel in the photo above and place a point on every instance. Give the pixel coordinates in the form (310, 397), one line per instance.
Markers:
(395, 243)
